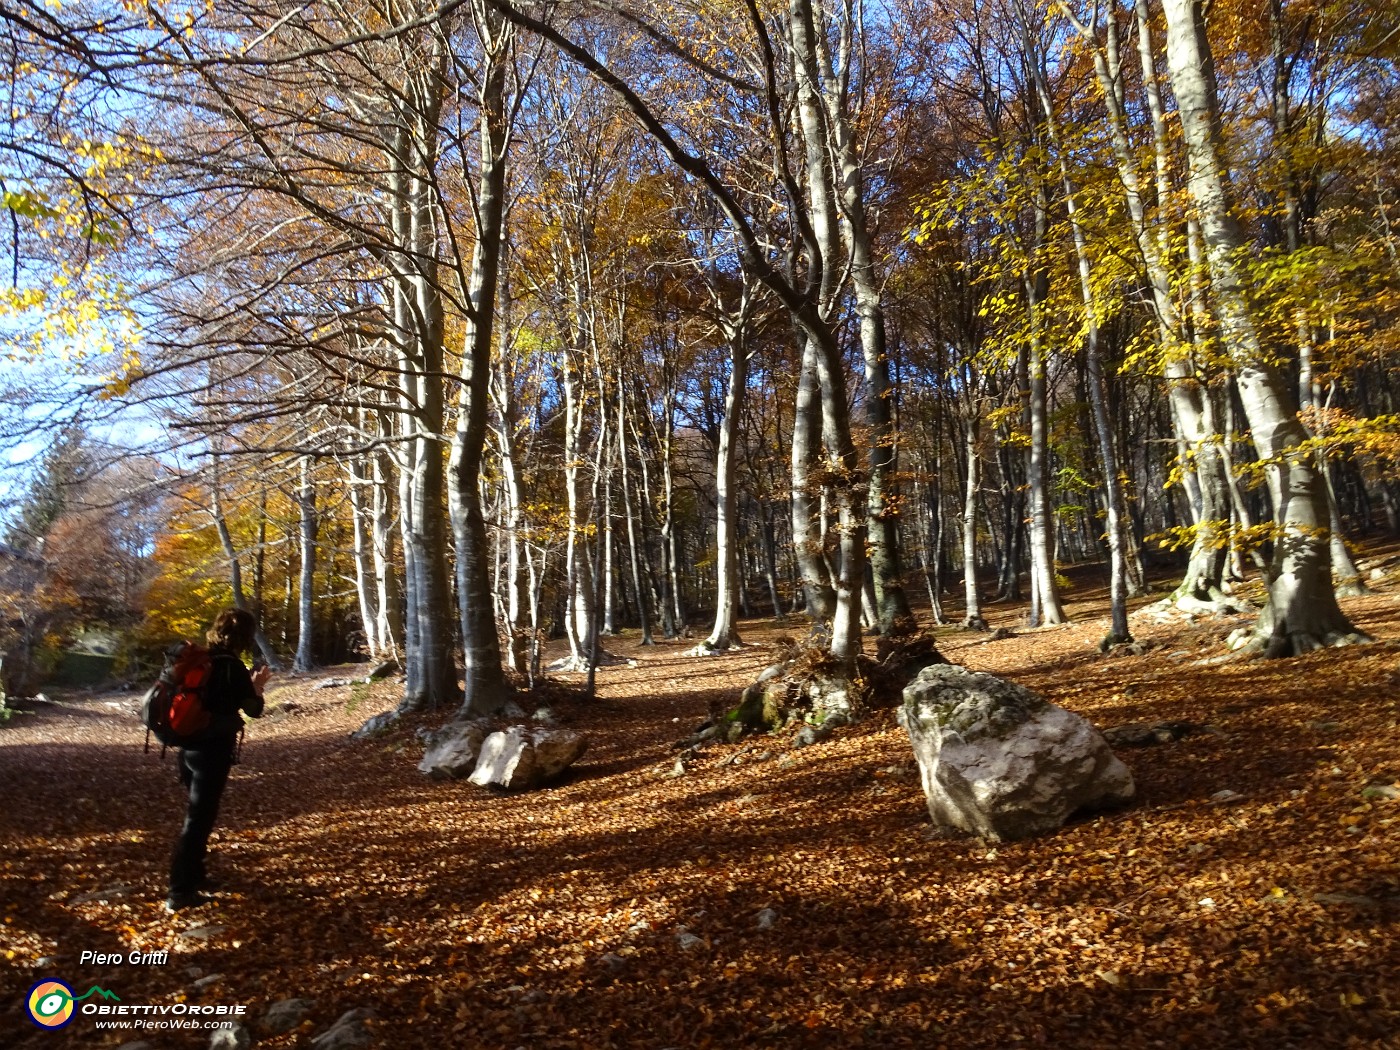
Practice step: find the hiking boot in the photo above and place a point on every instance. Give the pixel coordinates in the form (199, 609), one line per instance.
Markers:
(180, 901)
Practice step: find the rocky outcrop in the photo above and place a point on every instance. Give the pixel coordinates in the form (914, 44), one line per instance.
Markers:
(1002, 763)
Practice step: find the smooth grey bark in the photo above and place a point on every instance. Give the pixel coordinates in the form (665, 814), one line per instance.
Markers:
(309, 525)
(513, 521)
(1202, 464)
(725, 632)
(972, 600)
(362, 555)
(1114, 503)
(1302, 611)
(835, 74)
(636, 519)
(411, 147)
(1045, 592)
(842, 478)
(579, 618)
(807, 538)
(485, 690)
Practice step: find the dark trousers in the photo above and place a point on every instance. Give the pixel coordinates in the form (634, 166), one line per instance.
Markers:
(204, 772)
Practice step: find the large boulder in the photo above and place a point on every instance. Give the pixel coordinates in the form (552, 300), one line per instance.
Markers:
(1002, 763)
(452, 751)
(519, 757)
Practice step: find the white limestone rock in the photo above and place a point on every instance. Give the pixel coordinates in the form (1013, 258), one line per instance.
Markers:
(999, 762)
(520, 757)
(234, 1037)
(452, 752)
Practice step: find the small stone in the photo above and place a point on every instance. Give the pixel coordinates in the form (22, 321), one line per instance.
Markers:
(766, 918)
(612, 961)
(772, 672)
(545, 716)
(235, 1037)
(103, 896)
(202, 933)
(1227, 797)
(205, 982)
(809, 735)
(376, 725)
(1388, 792)
(286, 1015)
(1377, 575)
(348, 1033)
(687, 940)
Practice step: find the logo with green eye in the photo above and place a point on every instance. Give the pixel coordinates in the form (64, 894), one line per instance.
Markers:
(50, 1002)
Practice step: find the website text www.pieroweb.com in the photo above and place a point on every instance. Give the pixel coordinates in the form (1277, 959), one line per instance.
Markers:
(54, 1004)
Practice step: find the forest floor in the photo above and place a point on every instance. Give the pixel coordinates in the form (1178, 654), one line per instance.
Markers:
(768, 897)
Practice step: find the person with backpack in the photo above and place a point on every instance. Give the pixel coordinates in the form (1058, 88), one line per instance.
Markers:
(228, 693)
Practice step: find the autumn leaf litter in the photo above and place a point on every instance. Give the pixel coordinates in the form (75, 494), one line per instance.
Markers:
(768, 896)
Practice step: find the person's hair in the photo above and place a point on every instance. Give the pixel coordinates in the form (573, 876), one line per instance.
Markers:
(233, 630)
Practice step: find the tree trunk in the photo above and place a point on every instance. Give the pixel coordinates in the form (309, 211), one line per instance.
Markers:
(1302, 611)
(725, 633)
(1114, 503)
(364, 563)
(972, 601)
(808, 542)
(484, 682)
(306, 605)
(882, 500)
(1045, 592)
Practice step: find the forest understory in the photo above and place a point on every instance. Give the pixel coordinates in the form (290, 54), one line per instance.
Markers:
(767, 897)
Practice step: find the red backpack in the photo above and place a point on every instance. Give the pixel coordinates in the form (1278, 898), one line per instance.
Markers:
(174, 709)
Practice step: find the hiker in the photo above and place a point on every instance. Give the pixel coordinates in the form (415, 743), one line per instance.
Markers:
(204, 766)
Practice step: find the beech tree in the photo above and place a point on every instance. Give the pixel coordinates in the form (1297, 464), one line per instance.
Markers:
(1302, 611)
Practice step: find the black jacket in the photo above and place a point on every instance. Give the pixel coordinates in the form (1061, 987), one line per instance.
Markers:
(230, 694)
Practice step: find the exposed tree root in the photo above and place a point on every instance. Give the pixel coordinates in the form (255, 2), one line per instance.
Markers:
(1211, 601)
(1352, 587)
(1283, 643)
(580, 666)
(706, 648)
(1278, 641)
(1125, 642)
